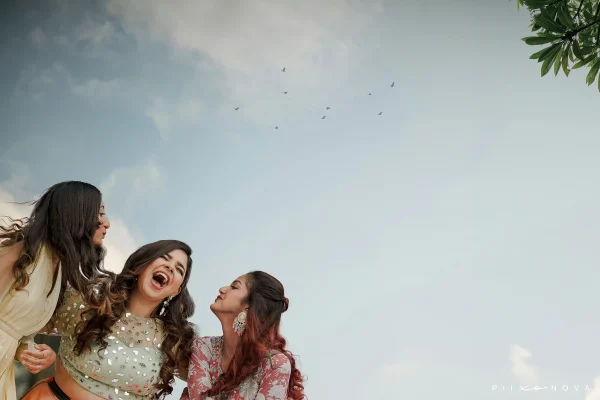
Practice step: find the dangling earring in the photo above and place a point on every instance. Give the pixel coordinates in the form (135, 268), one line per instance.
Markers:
(239, 323)
(165, 305)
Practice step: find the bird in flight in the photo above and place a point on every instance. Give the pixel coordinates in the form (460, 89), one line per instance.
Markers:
(328, 108)
(284, 92)
(323, 117)
(380, 113)
(237, 108)
(393, 83)
(283, 70)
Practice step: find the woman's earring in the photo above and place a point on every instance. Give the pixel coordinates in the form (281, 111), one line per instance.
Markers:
(165, 305)
(239, 323)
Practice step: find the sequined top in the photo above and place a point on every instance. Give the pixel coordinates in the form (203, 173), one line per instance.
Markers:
(269, 382)
(128, 367)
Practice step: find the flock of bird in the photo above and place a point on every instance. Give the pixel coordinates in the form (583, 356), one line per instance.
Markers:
(326, 108)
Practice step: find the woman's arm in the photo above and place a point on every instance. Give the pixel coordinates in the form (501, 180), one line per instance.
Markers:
(275, 381)
(199, 369)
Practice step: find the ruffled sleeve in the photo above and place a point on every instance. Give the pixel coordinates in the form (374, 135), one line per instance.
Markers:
(199, 369)
(67, 316)
(276, 378)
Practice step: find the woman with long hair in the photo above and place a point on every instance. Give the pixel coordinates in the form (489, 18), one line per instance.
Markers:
(60, 241)
(134, 350)
(250, 360)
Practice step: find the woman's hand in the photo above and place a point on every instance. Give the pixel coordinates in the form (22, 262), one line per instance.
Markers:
(39, 359)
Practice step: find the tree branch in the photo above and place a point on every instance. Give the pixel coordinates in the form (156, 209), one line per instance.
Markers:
(598, 32)
(579, 9)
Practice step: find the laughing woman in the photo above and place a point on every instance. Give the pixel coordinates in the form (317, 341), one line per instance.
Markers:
(134, 351)
(250, 360)
(60, 241)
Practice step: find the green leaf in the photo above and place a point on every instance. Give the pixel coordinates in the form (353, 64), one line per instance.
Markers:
(571, 53)
(536, 40)
(537, 55)
(552, 11)
(587, 50)
(591, 76)
(549, 25)
(547, 34)
(577, 50)
(557, 61)
(549, 61)
(565, 60)
(565, 16)
(548, 52)
(583, 62)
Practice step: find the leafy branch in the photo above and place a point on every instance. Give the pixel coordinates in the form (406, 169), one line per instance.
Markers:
(571, 29)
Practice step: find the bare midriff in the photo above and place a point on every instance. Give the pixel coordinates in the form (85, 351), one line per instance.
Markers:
(68, 385)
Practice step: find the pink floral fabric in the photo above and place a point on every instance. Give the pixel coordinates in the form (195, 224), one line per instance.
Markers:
(269, 382)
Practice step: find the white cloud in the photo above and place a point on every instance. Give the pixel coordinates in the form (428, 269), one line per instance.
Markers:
(8, 208)
(250, 43)
(95, 32)
(36, 82)
(38, 36)
(255, 33)
(525, 372)
(119, 245)
(95, 90)
(168, 116)
(126, 186)
(18, 178)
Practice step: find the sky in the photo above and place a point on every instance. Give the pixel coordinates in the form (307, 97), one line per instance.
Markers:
(442, 249)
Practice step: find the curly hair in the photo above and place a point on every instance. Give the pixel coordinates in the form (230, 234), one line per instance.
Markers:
(179, 334)
(65, 218)
(266, 302)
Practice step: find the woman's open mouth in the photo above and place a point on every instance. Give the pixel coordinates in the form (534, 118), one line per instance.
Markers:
(160, 279)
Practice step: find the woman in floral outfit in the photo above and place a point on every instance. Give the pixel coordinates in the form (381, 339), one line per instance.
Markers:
(250, 361)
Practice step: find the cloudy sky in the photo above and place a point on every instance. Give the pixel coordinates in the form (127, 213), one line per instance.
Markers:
(440, 250)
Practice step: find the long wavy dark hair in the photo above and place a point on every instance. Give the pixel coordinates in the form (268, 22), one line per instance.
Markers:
(266, 302)
(178, 332)
(65, 218)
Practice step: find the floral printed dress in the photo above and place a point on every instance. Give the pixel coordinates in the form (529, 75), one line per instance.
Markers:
(269, 382)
